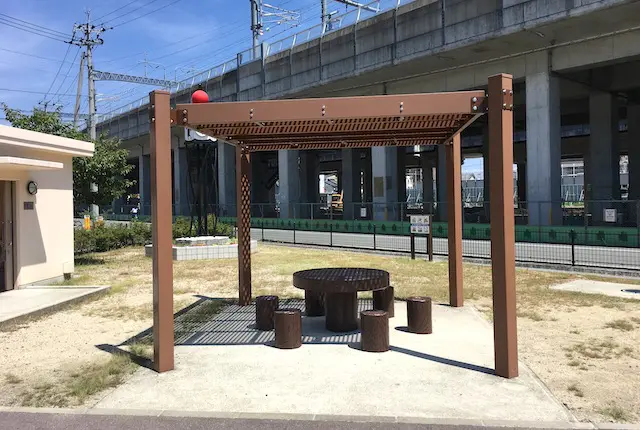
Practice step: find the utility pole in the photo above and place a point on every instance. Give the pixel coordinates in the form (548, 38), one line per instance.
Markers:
(89, 37)
(256, 26)
(76, 109)
(263, 13)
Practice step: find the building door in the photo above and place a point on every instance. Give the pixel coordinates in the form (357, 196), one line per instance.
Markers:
(7, 193)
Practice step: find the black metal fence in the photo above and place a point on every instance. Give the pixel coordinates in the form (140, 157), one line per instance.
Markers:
(572, 253)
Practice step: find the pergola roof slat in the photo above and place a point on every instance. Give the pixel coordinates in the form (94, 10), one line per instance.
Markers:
(347, 122)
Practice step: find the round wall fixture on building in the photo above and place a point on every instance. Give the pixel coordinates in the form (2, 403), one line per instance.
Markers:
(32, 188)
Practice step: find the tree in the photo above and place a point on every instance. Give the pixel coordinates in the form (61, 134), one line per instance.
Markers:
(108, 168)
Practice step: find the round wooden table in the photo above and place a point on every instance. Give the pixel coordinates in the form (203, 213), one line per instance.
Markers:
(341, 286)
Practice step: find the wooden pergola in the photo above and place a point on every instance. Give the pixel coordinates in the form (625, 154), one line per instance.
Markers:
(335, 123)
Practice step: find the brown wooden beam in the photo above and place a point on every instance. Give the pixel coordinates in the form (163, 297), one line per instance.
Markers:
(364, 107)
(503, 270)
(161, 225)
(454, 230)
(243, 192)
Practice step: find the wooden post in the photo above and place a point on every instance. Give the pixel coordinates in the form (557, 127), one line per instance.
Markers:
(454, 210)
(243, 193)
(161, 226)
(502, 225)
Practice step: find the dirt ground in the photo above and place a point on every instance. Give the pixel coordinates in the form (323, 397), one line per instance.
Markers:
(583, 347)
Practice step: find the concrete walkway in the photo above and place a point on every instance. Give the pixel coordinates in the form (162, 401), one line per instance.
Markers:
(626, 291)
(16, 305)
(226, 365)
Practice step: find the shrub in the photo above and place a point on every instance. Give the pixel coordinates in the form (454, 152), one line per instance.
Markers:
(106, 237)
(183, 227)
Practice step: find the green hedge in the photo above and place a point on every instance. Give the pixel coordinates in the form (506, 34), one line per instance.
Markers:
(106, 237)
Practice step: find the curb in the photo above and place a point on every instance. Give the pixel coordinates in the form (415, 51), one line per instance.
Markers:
(59, 305)
(326, 418)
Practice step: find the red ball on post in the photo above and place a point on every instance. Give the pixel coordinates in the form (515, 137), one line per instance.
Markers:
(199, 97)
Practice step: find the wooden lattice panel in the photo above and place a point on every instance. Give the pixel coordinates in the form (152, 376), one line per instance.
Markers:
(244, 225)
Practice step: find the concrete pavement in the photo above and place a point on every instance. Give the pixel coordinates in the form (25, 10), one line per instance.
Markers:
(225, 364)
(31, 301)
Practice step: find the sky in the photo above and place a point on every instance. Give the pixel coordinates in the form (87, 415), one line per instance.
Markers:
(175, 37)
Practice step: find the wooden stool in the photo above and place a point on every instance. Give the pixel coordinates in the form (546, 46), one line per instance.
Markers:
(265, 307)
(383, 300)
(374, 328)
(288, 323)
(419, 315)
(313, 303)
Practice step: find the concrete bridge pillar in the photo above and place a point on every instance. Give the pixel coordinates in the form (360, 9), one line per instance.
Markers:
(180, 182)
(633, 121)
(428, 196)
(544, 170)
(289, 190)
(384, 165)
(226, 178)
(351, 177)
(602, 163)
(144, 183)
(441, 181)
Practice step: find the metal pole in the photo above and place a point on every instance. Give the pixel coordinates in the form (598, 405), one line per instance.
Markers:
(573, 247)
(76, 109)
(430, 239)
(161, 188)
(255, 27)
(331, 235)
(374, 237)
(412, 241)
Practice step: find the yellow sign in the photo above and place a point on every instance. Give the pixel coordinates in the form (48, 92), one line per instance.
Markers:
(87, 222)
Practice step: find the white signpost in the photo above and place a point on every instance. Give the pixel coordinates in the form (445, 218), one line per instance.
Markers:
(421, 224)
(610, 215)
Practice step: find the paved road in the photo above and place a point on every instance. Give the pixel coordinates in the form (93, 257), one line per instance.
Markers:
(593, 256)
(47, 421)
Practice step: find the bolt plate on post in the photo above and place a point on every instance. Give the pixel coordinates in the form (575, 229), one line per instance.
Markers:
(507, 99)
(478, 104)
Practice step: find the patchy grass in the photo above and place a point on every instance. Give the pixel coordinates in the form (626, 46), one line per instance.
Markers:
(121, 310)
(12, 379)
(142, 348)
(83, 279)
(616, 413)
(621, 324)
(75, 387)
(573, 388)
(568, 327)
(532, 315)
(598, 349)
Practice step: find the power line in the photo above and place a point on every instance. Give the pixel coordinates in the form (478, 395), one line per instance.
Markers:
(58, 72)
(16, 90)
(131, 11)
(148, 13)
(49, 36)
(68, 71)
(31, 55)
(32, 25)
(116, 10)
